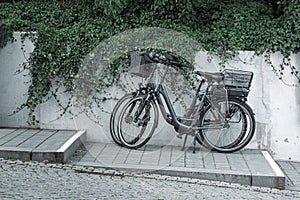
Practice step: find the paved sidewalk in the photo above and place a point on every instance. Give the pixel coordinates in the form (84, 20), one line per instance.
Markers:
(292, 171)
(247, 167)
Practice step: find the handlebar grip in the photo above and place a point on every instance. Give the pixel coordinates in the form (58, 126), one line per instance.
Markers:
(187, 66)
(180, 64)
(156, 59)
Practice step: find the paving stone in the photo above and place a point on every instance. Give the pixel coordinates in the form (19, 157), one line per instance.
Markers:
(208, 160)
(151, 155)
(193, 160)
(257, 163)
(8, 137)
(6, 131)
(37, 139)
(88, 158)
(177, 157)
(237, 162)
(121, 156)
(221, 161)
(286, 165)
(291, 170)
(26, 135)
(165, 156)
(109, 153)
(135, 156)
(296, 166)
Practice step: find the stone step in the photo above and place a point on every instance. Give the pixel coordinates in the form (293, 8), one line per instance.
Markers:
(39, 144)
(248, 167)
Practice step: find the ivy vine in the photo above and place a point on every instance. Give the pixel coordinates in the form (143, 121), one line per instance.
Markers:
(5, 36)
(66, 30)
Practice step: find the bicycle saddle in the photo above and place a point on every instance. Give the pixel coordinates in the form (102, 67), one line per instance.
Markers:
(217, 76)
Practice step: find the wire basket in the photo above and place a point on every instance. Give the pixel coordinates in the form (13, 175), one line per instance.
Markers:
(238, 79)
(238, 82)
(139, 66)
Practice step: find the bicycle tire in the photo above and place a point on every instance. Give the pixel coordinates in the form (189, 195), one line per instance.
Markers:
(242, 139)
(114, 116)
(125, 120)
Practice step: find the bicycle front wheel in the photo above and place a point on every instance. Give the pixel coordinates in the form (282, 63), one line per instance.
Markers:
(114, 117)
(237, 126)
(137, 122)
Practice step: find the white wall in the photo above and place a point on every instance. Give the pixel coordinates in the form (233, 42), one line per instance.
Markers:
(276, 105)
(13, 86)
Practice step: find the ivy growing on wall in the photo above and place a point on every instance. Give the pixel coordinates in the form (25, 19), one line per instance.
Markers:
(69, 29)
(5, 36)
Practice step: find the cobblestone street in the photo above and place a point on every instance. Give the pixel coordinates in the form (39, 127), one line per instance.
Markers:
(33, 180)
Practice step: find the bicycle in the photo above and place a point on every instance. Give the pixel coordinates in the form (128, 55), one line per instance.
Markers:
(220, 123)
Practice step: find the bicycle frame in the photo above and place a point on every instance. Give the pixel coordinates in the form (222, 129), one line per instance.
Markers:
(156, 91)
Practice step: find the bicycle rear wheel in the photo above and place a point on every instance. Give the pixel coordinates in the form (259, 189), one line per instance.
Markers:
(135, 131)
(238, 126)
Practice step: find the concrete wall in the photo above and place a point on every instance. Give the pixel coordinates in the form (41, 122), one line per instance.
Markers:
(13, 86)
(277, 106)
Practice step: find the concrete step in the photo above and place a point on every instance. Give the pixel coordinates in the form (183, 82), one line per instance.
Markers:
(247, 167)
(38, 144)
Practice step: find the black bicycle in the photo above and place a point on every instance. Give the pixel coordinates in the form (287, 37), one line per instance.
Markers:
(218, 117)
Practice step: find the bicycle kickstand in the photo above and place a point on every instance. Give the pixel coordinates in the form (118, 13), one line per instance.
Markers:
(184, 142)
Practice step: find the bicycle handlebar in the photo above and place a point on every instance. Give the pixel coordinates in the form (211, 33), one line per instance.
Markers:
(156, 59)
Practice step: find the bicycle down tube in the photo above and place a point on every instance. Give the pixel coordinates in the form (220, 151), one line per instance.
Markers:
(160, 89)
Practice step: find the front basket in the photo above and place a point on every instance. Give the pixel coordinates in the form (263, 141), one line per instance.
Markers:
(139, 66)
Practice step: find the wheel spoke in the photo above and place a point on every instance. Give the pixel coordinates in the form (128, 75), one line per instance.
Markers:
(137, 122)
(237, 131)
